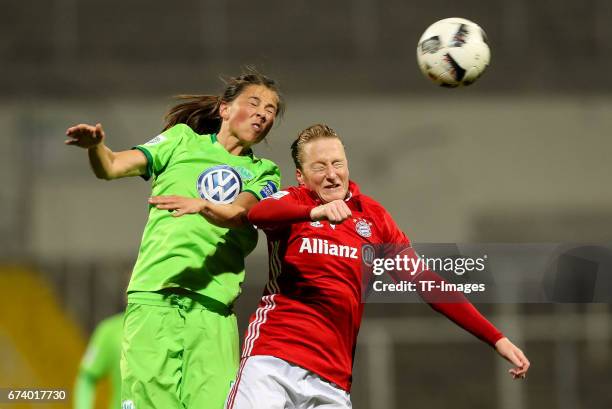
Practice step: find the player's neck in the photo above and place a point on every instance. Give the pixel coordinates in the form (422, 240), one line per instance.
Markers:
(232, 144)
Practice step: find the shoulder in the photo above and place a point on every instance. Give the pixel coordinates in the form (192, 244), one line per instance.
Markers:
(376, 211)
(262, 171)
(295, 193)
(269, 165)
(293, 190)
(265, 165)
(182, 132)
(301, 194)
(116, 320)
(371, 206)
(182, 129)
(383, 220)
(169, 137)
(110, 324)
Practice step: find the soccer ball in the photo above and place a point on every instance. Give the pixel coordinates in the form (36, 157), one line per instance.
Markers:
(453, 52)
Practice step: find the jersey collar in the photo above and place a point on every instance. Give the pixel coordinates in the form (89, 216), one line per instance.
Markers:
(213, 139)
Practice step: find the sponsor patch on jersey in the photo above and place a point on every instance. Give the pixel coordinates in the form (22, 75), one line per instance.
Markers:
(316, 224)
(279, 194)
(244, 173)
(367, 254)
(363, 228)
(220, 184)
(268, 190)
(321, 246)
(156, 140)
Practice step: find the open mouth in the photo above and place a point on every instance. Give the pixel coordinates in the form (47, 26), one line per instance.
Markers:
(256, 126)
(332, 187)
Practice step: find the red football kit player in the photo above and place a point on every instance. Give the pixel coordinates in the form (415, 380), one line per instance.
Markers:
(299, 347)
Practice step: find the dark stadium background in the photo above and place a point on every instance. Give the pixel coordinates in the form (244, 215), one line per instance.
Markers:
(522, 156)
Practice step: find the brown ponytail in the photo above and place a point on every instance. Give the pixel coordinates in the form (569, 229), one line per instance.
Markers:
(201, 112)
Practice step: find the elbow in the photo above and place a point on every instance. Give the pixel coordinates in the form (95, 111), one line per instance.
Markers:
(104, 175)
(243, 219)
(239, 219)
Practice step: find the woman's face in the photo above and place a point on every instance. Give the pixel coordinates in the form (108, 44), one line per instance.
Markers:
(324, 169)
(251, 115)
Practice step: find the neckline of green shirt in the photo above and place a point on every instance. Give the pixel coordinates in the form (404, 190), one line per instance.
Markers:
(213, 139)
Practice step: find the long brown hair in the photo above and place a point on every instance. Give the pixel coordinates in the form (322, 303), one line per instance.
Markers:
(201, 112)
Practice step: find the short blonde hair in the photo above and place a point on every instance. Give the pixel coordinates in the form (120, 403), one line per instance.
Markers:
(309, 134)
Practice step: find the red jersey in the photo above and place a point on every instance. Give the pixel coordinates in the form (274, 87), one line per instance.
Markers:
(311, 308)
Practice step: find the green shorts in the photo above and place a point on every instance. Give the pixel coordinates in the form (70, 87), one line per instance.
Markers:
(180, 350)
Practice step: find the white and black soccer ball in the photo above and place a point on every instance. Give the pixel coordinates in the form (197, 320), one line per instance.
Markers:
(453, 52)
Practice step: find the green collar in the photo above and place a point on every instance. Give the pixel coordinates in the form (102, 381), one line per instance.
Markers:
(213, 139)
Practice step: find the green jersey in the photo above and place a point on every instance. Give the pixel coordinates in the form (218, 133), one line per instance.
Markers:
(104, 354)
(189, 252)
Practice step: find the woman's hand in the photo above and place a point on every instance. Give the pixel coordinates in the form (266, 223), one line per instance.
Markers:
(335, 212)
(85, 136)
(179, 205)
(515, 356)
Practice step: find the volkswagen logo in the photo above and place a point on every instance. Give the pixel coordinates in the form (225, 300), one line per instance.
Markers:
(220, 184)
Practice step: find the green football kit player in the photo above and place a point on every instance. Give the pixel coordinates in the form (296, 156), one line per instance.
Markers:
(180, 341)
(101, 360)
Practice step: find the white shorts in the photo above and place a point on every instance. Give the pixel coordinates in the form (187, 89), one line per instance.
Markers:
(266, 382)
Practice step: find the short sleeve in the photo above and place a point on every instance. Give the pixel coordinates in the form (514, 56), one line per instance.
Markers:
(159, 150)
(265, 183)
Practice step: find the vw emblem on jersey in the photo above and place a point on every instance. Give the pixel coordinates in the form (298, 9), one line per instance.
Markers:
(367, 254)
(220, 184)
(363, 228)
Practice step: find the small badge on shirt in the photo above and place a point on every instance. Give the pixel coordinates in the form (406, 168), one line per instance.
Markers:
(363, 228)
(316, 224)
(156, 140)
(367, 254)
(268, 190)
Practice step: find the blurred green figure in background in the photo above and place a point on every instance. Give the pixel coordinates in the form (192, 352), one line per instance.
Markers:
(101, 360)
